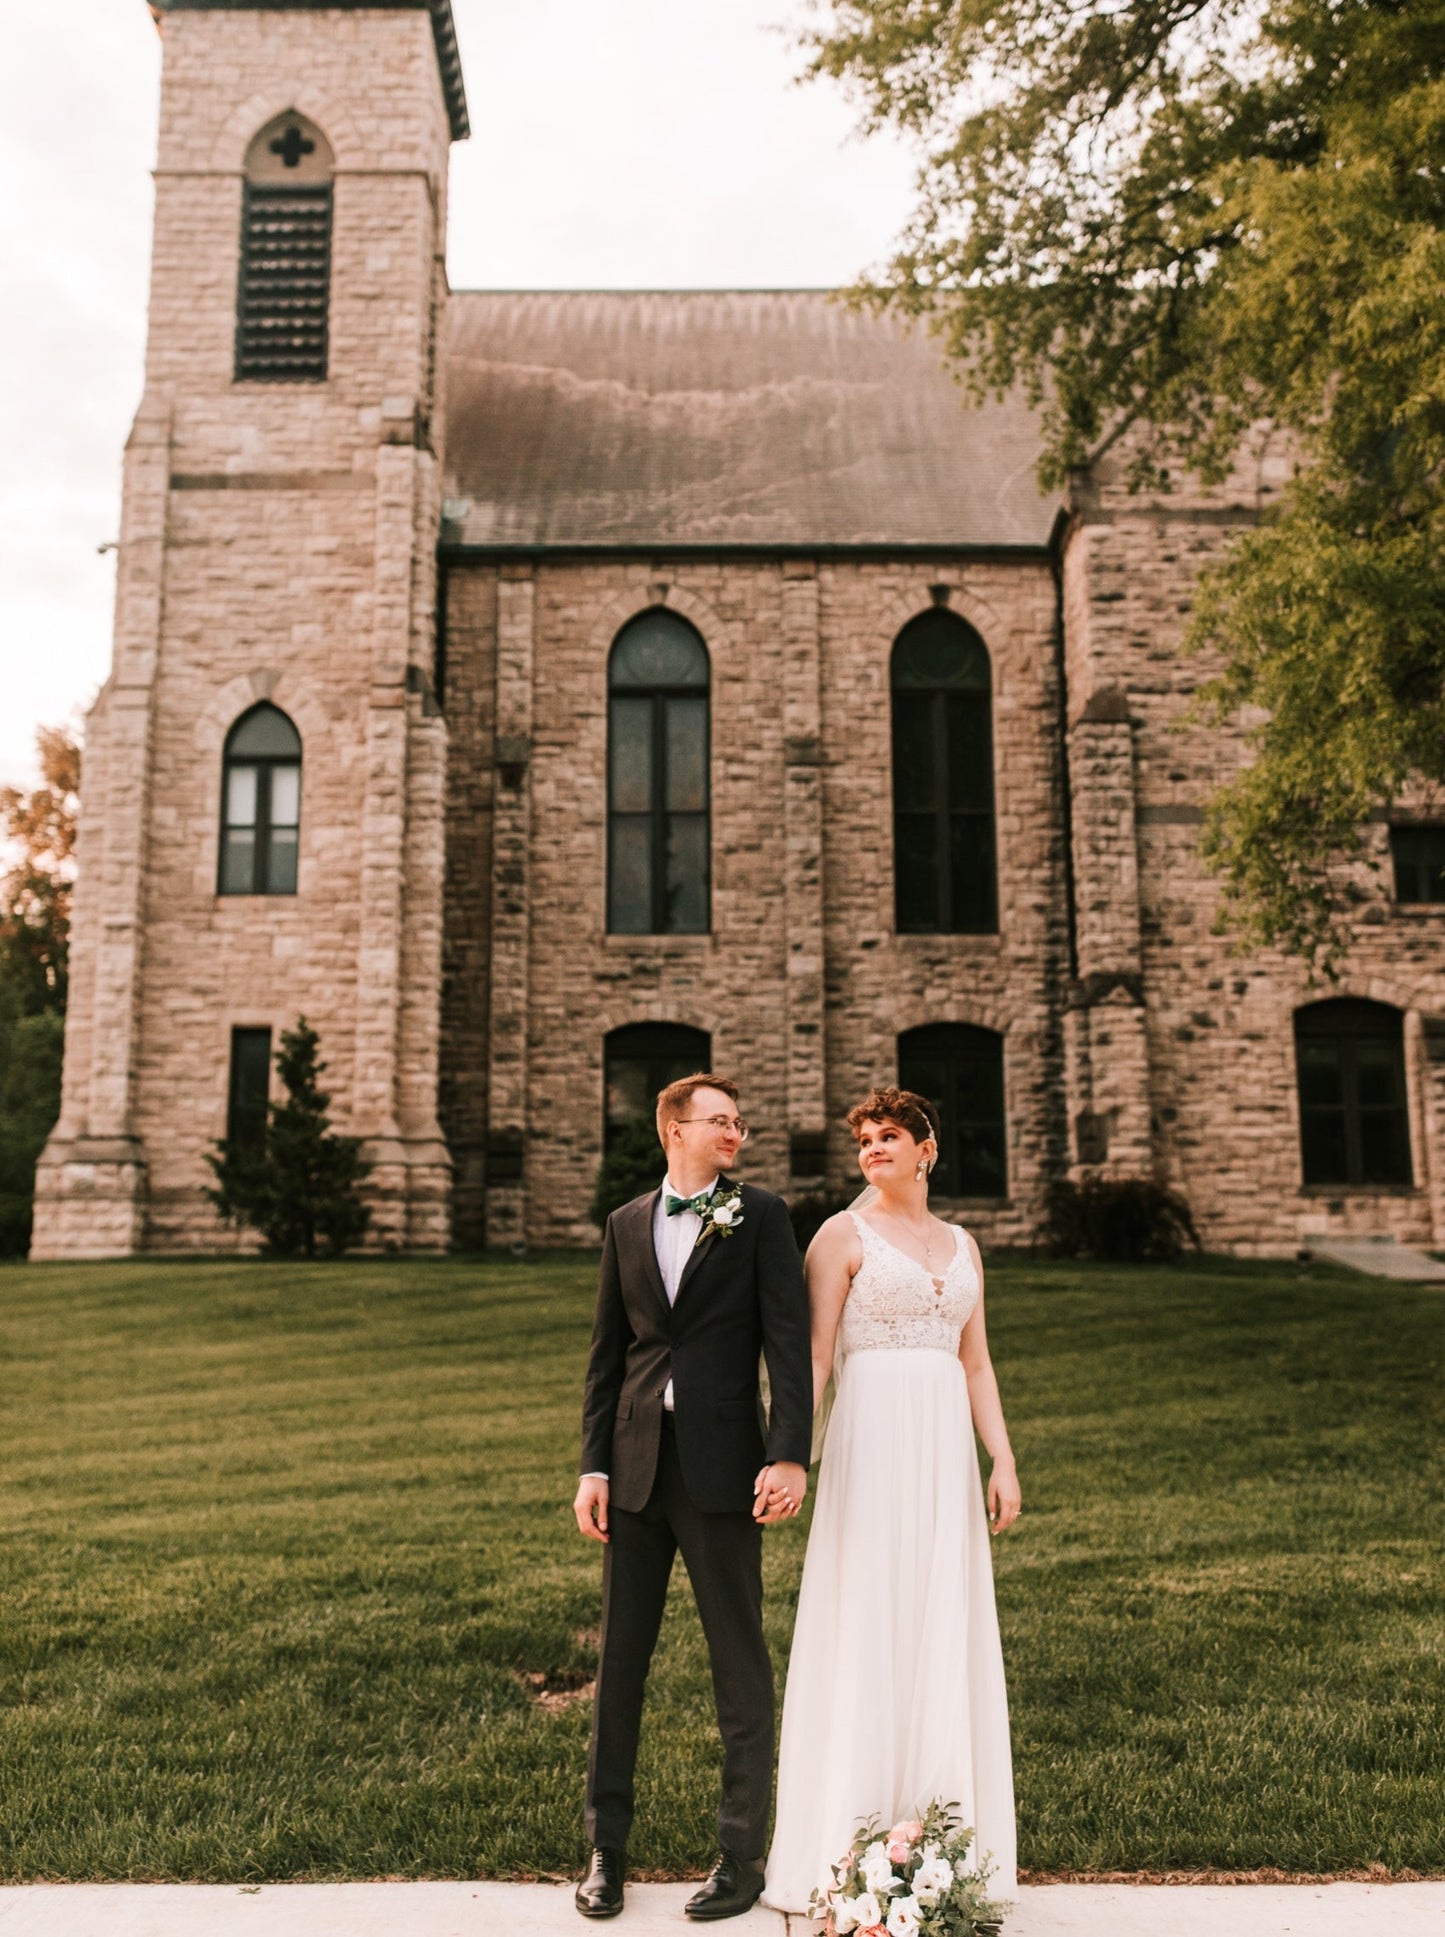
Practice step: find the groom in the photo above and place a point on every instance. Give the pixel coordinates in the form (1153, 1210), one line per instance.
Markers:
(697, 1279)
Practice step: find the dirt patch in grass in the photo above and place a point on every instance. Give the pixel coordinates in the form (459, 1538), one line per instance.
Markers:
(559, 1690)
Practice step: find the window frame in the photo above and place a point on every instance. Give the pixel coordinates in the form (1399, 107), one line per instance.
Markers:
(272, 280)
(265, 767)
(1374, 1023)
(1402, 833)
(689, 1042)
(658, 697)
(238, 1144)
(938, 697)
(958, 1036)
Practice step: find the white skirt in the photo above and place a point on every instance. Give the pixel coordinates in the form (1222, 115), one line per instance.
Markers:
(895, 1693)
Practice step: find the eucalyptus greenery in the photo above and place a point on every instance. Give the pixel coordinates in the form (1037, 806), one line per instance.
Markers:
(1174, 221)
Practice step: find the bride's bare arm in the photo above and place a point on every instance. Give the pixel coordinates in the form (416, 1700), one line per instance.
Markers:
(1004, 1498)
(833, 1257)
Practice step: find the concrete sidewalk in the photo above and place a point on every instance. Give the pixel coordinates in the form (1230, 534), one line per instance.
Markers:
(545, 1910)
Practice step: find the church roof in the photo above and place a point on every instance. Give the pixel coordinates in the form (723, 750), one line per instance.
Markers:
(746, 418)
(443, 29)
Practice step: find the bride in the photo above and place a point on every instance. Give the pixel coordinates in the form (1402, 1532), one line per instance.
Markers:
(895, 1693)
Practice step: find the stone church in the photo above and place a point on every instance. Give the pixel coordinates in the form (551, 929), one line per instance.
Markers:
(549, 694)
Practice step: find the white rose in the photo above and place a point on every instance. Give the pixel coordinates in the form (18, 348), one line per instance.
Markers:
(932, 1878)
(903, 1918)
(725, 1214)
(877, 1870)
(867, 1910)
(845, 1914)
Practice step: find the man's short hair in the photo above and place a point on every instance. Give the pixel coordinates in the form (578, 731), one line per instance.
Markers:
(672, 1103)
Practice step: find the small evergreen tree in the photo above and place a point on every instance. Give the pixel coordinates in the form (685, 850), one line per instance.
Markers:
(632, 1166)
(299, 1189)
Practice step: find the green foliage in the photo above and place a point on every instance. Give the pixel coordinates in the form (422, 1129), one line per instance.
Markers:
(1118, 1220)
(286, 1546)
(34, 954)
(1177, 219)
(299, 1190)
(633, 1166)
(30, 1047)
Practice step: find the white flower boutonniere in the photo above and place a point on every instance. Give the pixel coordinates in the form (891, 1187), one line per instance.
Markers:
(723, 1216)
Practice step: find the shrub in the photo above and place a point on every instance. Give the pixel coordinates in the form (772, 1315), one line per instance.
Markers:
(299, 1190)
(1121, 1220)
(632, 1167)
(30, 1048)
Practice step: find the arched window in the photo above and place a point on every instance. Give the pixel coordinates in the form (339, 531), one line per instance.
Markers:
(643, 1058)
(657, 779)
(261, 805)
(960, 1070)
(283, 296)
(943, 833)
(1350, 1061)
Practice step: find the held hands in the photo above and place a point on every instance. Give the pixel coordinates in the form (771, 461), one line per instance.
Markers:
(590, 1507)
(779, 1492)
(1004, 1498)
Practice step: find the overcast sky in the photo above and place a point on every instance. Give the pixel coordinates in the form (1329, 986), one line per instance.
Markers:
(617, 144)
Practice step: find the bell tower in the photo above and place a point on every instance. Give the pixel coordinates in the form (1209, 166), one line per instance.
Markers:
(262, 828)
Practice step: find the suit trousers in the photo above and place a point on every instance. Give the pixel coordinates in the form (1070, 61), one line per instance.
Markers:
(724, 1559)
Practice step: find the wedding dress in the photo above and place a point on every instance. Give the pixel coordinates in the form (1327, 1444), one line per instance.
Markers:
(895, 1694)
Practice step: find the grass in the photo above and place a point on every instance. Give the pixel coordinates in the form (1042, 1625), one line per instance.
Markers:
(281, 1547)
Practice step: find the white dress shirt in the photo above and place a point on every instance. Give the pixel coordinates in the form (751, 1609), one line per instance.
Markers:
(672, 1240)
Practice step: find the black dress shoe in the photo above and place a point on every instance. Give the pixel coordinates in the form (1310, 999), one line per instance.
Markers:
(599, 1894)
(734, 1886)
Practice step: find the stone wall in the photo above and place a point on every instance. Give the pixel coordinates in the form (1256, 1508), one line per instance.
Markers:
(1171, 1028)
(278, 541)
(802, 984)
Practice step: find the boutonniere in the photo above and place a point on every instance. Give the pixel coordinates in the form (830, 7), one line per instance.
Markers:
(722, 1217)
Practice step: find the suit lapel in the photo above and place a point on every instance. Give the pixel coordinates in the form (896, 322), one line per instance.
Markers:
(646, 1208)
(701, 1251)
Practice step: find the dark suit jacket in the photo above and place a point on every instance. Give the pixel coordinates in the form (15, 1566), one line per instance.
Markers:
(740, 1296)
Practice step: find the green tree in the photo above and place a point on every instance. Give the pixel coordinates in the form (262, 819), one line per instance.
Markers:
(300, 1188)
(1169, 220)
(35, 896)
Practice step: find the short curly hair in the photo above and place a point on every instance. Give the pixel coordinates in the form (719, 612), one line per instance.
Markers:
(906, 1108)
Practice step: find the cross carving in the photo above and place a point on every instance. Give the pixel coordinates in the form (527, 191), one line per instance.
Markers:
(292, 146)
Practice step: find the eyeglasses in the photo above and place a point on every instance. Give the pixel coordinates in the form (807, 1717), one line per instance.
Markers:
(720, 1123)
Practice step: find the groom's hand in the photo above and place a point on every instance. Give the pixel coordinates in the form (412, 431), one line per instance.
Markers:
(590, 1507)
(778, 1492)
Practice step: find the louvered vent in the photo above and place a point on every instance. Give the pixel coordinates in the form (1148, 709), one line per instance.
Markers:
(285, 293)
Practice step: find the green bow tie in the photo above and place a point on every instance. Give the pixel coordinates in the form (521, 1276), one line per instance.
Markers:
(699, 1204)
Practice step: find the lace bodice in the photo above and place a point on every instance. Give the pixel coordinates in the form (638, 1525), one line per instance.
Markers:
(892, 1304)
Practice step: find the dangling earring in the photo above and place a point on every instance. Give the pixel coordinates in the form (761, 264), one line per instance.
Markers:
(918, 1174)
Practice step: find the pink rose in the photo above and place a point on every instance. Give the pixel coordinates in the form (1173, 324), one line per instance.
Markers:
(900, 1840)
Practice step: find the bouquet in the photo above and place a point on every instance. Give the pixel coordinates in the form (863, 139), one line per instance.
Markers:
(917, 1879)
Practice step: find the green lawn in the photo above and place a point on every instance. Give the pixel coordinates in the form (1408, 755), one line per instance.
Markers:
(281, 1546)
